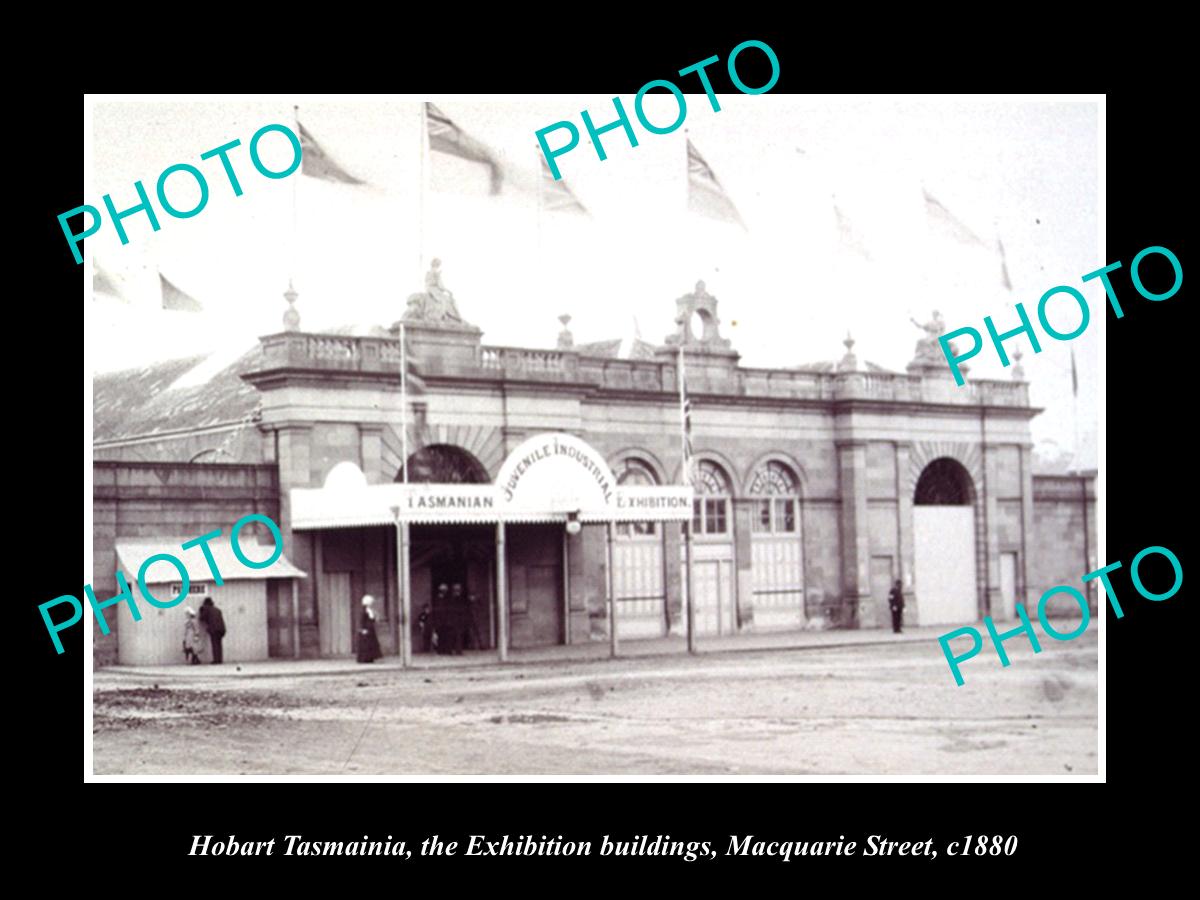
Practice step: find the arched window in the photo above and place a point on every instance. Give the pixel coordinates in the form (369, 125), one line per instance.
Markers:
(444, 464)
(775, 513)
(635, 472)
(710, 512)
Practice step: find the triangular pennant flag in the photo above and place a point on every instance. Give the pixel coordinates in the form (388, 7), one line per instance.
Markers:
(946, 223)
(446, 137)
(175, 299)
(556, 196)
(103, 283)
(705, 194)
(316, 163)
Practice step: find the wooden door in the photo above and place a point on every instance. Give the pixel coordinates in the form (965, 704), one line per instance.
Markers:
(337, 628)
(944, 566)
(535, 585)
(777, 573)
(638, 585)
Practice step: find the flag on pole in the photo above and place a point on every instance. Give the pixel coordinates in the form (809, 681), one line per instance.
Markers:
(945, 223)
(705, 194)
(556, 196)
(685, 424)
(176, 300)
(315, 162)
(446, 137)
(1004, 280)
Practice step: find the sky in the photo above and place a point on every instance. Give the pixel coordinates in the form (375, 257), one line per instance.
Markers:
(839, 236)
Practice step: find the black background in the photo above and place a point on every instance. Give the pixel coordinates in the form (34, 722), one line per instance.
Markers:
(1149, 403)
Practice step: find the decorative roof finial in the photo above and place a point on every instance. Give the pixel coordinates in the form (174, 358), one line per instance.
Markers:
(1018, 372)
(291, 318)
(566, 340)
(849, 362)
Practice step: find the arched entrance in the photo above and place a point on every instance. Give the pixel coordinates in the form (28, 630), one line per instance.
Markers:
(460, 556)
(944, 544)
(638, 587)
(775, 544)
(712, 551)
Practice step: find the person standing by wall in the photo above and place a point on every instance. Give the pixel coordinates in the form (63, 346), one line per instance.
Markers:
(425, 628)
(368, 640)
(441, 618)
(193, 639)
(473, 623)
(458, 603)
(896, 605)
(214, 624)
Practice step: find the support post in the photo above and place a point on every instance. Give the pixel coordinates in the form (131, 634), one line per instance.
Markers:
(608, 589)
(566, 586)
(404, 584)
(295, 618)
(501, 594)
(687, 572)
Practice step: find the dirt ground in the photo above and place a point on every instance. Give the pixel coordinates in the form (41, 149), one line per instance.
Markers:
(888, 709)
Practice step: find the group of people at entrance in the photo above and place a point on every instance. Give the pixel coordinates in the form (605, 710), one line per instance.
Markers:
(448, 622)
(199, 633)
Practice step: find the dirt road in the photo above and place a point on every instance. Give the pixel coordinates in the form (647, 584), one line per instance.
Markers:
(890, 709)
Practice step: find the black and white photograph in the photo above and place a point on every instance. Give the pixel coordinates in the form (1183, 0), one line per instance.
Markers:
(499, 436)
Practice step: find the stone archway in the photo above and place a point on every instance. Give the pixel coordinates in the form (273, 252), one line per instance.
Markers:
(945, 542)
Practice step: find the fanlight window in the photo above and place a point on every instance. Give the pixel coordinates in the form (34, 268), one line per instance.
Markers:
(775, 513)
(710, 510)
(636, 472)
(444, 464)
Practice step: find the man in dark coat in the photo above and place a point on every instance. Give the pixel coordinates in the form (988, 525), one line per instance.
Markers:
(441, 618)
(896, 605)
(214, 624)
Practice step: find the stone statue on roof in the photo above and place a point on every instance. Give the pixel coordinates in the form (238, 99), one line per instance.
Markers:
(927, 350)
(436, 304)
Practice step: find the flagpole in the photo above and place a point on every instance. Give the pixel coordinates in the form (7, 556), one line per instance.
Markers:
(404, 400)
(538, 217)
(424, 176)
(295, 204)
(687, 524)
(403, 578)
(1075, 409)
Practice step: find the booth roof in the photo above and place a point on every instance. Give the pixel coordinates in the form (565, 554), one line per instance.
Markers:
(131, 555)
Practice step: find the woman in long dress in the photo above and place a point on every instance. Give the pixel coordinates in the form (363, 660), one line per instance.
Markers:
(368, 640)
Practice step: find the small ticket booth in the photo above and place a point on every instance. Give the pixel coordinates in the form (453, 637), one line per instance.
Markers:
(510, 548)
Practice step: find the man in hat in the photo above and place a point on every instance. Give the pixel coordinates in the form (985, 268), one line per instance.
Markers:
(214, 623)
(896, 605)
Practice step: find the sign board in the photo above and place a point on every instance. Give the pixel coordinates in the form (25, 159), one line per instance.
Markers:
(548, 478)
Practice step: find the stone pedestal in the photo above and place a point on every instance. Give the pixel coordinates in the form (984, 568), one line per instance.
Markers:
(439, 347)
